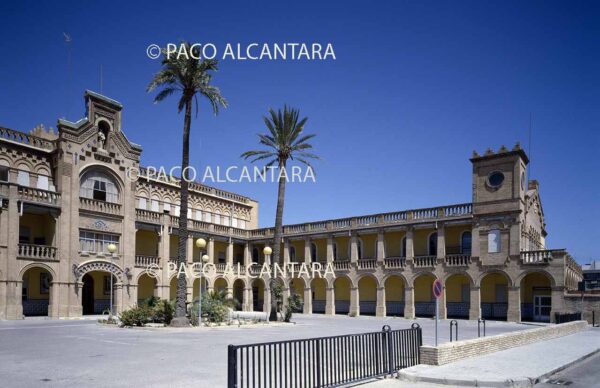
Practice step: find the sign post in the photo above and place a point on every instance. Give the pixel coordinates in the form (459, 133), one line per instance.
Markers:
(437, 292)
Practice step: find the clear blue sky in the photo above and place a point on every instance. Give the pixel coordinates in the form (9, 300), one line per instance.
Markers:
(416, 87)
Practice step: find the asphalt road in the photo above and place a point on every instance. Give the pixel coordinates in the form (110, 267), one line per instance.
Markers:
(584, 374)
(82, 353)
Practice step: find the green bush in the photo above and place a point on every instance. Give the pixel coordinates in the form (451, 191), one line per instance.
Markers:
(162, 311)
(215, 307)
(136, 316)
(293, 305)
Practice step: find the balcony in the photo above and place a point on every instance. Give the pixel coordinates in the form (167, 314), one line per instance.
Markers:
(458, 260)
(148, 216)
(539, 257)
(98, 206)
(37, 252)
(145, 261)
(39, 196)
(367, 264)
(425, 261)
(394, 262)
(341, 265)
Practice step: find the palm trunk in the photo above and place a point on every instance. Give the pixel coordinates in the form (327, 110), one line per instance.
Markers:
(278, 233)
(180, 302)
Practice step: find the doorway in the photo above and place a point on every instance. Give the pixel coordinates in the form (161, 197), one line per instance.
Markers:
(542, 304)
(88, 294)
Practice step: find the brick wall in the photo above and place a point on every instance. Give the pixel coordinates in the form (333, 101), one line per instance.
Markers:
(454, 351)
(590, 302)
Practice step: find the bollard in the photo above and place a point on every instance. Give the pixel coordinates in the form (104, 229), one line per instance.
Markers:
(455, 324)
(415, 326)
(479, 322)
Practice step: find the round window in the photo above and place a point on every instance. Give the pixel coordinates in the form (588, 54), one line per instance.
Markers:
(495, 179)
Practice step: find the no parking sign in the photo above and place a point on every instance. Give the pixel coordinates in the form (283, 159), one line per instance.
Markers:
(437, 288)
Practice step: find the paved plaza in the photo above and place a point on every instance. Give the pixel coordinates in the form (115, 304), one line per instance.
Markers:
(44, 352)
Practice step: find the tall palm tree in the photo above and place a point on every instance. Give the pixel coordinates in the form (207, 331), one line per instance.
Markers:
(285, 142)
(190, 78)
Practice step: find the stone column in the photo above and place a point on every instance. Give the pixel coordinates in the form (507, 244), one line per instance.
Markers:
(380, 246)
(475, 303)
(307, 308)
(330, 301)
(229, 253)
(118, 298)
(475, 242)
(248, 299)
(410, 250)
(210, 250)
(354, 301)
(329, 249)
(247, 255)
(164, 242)
(354, 248)
(514, 304)
(267, 299)
(442, 303)
(307, 252)
(409, 302)
(14, 284)
(286, 252)
(381, 308)
(441, 243)
(557, 302)
(285, 294)
(190, 249)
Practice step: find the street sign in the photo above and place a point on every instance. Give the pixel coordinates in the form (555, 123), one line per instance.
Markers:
(437, 288)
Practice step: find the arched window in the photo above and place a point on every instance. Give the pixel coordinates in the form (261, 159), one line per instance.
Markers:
(255, 255)
(313, 251)
(335, 251)
(217, 217)
(465, 243)
(494, 243)
(403, 247)
(292, 253)
(432, 251)
(99, 186)
(359, 248)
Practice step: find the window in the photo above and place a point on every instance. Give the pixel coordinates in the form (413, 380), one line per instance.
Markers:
(465, 243)
(106, 285)
(24, 235)
(495, 179)
(198, 215)
(99, 186)
(221, 257)
(96, 242)
(313, 252)
(42, 182)
(494, 245)
(359, 249)
(23, 178)
(234, 222)
(226, 219)
(154, 205)
(4, 173)
(177, 210)
(142, 203)
(241, 224)
(432, 250)
(292, 254)
(335, 251)
(255, 255)
(207, 217)
(217, 217)
(189, 213)
(167, 207)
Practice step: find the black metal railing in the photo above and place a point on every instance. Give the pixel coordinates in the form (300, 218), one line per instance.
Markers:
(325, 361)
(570, 317)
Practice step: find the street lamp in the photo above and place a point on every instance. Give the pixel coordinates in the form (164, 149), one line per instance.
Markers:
(201, 243)
(112, 248)
(267, 251)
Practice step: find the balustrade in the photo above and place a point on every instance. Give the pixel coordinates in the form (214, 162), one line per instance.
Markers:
(425, 261)
(145, 261)
(40, 196)
(37, 252)
(458, 260)
(99, 206)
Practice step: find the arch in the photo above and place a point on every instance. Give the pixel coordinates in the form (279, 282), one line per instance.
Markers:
(100, 183)
(95, 292)
(221, 283)
(313, 252)
(466, 241)
(394, 285)
(493, 287)
(258, 295)
(458, 294)
(318, 288)
(97, 265)
(367, 294)
(195, 287)
(239, 285)
(36, 287)
(34, 265)
(342, 286)
(536, 295)
(424, 300)
(146, 287)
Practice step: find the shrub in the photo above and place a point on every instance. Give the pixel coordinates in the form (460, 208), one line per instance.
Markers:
(136, 316)
(151, 301)
(215, 307)
(162, 311)
(293, 305)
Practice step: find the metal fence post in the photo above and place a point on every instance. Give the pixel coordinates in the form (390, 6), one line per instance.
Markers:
(231, 366)
(479, 322)
(455, 324)
(318, 348)
(386, 330)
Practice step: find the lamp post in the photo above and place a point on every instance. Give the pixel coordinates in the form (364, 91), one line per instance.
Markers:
(112, 248)
(201, 243)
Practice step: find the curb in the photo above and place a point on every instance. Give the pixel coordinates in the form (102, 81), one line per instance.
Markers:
(517, 382)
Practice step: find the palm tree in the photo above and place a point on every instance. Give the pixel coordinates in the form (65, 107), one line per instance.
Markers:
(189, 77)
(284, 142)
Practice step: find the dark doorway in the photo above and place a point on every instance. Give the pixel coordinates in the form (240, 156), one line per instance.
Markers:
(88, 294)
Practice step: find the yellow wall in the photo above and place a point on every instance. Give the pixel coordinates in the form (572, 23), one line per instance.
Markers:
(394, 289)
(98, 277)
(393, 242)
(220, 284)
(39, 225)
(297, 286)
(299, 247)
(173, 288)
(423, 288)
(145, 287)
(488, 287)
(195, 289)
(146, 243)
(454, 286)
(33, 283)
(173, 242)
(220, 249)
(318, 286)
(369, 244)
(342, 288)
(452, 234)
(420, 241)
(321, 249)
(367, 289)
(342, 247)
(531, 281)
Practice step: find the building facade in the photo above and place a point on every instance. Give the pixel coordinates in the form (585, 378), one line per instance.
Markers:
(65, 196)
